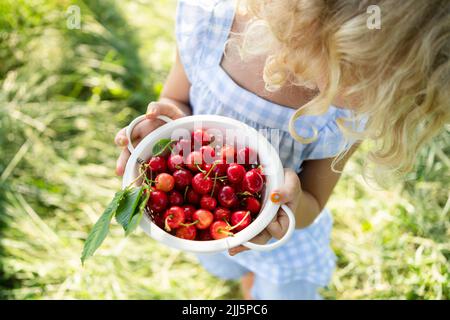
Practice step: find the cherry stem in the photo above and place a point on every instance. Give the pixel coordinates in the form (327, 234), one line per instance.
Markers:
(244, 194)
(148, 187)
(140, 174)
(185, 192)
(214, 185)
(221, 178)
(226, 221)
(148, 181)
(228, 233)
(189, 224)
(200, 169)
(166, 224)
(240, 222)
(210, 170)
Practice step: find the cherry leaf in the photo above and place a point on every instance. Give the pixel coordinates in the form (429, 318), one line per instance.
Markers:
(100, 230)
(128, 206)
(137, 215)
(161, 146)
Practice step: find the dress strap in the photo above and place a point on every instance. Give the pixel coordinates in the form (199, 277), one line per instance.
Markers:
(221, 23)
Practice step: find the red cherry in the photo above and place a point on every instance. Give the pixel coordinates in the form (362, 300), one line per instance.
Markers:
(204, 217)
(219, 230)
(238, 188)
(188, 211)
(157, 164)
(200, 137)
(228, 154)
(173, 217)
(218, 167)
(237, 217)
(182, 178)
(186, 232)
(222, 213)
(206, 167)
(192, 197)
(204, 235)
(260, 170)
(159, 221)
(175, 162)
(208, 203)
(247, 156)
(253, 181)
(193, 160)
(158, 201)
(208, 154)
(235, 173)
(202, 184)
(252, 204)
(164, 182)
(227, 197)
(182, 147)
(175, 198)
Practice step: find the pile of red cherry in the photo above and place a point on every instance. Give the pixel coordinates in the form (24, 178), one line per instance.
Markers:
(199, 191)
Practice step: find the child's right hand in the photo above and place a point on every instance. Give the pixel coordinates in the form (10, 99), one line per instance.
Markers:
(154, 109)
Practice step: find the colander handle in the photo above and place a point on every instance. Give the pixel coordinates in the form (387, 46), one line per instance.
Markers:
(134, 123)
(276, 244)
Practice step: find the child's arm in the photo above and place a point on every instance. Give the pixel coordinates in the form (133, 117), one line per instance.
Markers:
(317, 184)
(173, 102)
(306, 194)
(176, 88)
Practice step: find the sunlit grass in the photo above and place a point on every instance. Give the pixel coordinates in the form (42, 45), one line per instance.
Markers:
(392, 244)
(65, 93)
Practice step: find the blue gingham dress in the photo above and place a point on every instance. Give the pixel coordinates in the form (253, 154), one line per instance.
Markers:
(202, 28)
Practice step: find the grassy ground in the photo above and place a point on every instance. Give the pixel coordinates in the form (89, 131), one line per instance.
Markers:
(64, 93)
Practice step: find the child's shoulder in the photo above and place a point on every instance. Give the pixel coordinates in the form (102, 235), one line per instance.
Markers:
(191, 13)
(330, 140)
(189, 8)
(194, 11)
(199, 3)
(201, 26)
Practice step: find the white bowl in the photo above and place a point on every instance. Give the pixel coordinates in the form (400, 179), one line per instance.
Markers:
(268, 158)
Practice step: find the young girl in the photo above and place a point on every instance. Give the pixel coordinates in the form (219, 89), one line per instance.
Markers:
(314, 70)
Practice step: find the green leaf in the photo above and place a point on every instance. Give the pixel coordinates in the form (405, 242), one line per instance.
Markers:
(100, 230)
(137, 216)
(128, 206)
(161, 146)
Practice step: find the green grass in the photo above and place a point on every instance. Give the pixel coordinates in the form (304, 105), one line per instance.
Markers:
(394, 243)
(64, 94)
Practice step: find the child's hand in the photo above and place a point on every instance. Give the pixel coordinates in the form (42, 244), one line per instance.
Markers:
(289, 194)
(154, 109)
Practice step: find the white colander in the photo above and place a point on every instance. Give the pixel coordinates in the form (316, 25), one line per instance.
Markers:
(268, 158)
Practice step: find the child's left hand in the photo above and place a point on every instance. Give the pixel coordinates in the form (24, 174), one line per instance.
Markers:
(289, 194)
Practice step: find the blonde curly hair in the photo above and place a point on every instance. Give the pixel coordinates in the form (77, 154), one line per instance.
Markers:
(400, 72)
